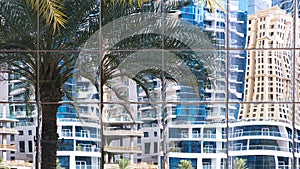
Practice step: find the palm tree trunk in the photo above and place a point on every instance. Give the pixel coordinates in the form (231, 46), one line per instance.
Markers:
(49, 136)
(101, 93)
(164, 123)
(49, 143)
(102, 135)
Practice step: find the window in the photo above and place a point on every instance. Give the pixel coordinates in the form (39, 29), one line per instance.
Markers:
(155, 134)
(12, 137)
(146, 134)
(22, 146)
(30, 146)
(21, 132)
(85, 133)
(30, 132)
(155, 147)
(147, 148)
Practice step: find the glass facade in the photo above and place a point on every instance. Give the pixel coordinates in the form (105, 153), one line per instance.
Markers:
(151, 84)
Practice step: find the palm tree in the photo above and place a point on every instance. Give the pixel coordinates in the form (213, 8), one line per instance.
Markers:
(48, 69)
(123, 163)
(185, 164)
(53, 11)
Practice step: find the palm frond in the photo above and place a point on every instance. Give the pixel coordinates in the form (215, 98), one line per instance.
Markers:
(51, 11)
(213, 5)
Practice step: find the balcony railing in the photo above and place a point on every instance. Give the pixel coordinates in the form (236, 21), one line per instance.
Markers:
(86, 135)
(87, 149)
(77, 120)
(149, 125)
(133, 166)
(147, 116)
(8, 130)
(25, 124)
(204, 150)
(285, 167)
(11, 117)
(87, 166)
(121, 148)
(17, 163)
(7, 147)
(122, 132)
(255, 133)
(66, 134)
(260, 147)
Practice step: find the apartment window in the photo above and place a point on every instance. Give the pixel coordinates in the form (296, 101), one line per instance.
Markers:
(30, 146)
(155, 134)
(155, 147)
(146, 134)
(30, 132)
(147, 147)
(21, 132)
(22, 146)
(12, 137)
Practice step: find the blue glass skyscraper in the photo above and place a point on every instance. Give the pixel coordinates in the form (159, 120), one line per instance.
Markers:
(204, 144)
(198, 14)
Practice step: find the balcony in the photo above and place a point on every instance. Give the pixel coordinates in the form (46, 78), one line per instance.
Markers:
(214, 28)
(87, 167)
(86, 135)
(81, 121)
(212, 17)
(259, 147)
(149, 125)
(66, 134)
(8, 131)
(148, 116)
(120, 120)
(17, 164)
(7, 147)
(205, 150)
(122, 149)
(20, 124)
(132, 166)
(87, 148)
(8, 118)
(83, 95)
(122, 133)
(255, 133)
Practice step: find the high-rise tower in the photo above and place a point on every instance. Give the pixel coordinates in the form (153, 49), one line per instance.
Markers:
(215, 23)
(269, 72)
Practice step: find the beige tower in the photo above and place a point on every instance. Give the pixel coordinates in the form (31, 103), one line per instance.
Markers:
(269, 72)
